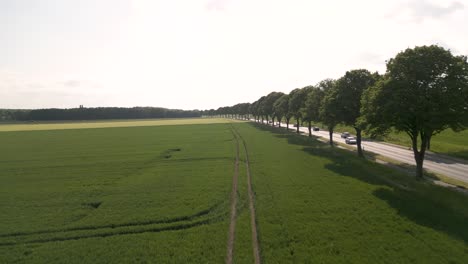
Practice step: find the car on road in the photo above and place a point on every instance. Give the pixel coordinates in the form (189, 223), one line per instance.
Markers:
(345, 135)
(350, 140)
(316, 128)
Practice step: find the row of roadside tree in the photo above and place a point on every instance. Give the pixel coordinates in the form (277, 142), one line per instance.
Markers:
(423, 92)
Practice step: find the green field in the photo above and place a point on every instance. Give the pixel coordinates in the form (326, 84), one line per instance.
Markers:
(161, 194)
(31, 126)
(115, 194)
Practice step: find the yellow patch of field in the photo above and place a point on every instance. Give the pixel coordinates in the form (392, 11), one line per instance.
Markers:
(113, 123)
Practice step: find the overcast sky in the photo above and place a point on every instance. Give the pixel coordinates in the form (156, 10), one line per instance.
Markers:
(203, 53)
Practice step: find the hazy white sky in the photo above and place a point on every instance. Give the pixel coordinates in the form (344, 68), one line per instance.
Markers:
(203, 54)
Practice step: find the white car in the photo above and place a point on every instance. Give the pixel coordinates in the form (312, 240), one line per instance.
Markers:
(350, 140)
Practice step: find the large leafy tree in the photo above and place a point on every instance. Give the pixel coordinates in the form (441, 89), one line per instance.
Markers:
(280, 109)
(349, 89)
(424, 91)
(268, 105)
(329, 108)
(296, 103)
(311, 109)
(254, 110)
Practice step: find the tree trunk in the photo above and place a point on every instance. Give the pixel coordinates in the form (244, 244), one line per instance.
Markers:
(273, 121)
(419, 154)
(358, 142)
(419, 166)
(279, 122)
(297, 126)
(429, 142)
(310, 128)
(287, 124)
(330, 132)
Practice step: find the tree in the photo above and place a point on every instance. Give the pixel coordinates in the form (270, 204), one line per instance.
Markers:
(280, 109)
(261, 108)
(329, 109)
(296, 102)
(257, 109)
(349, 91)
(311, 109)
(424, 91)
(268, 105)
(242, 110)
(253, 109)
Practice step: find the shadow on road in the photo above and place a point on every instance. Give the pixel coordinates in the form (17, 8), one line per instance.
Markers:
(444, 159)
(425, 204)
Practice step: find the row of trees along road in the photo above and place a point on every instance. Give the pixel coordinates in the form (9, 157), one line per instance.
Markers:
(423, 92)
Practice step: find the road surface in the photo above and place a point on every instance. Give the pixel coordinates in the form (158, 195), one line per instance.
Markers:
(447, 166)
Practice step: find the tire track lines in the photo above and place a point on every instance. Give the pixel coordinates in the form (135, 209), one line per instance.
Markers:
(253, 218)
(232, 224)
(142, 223)
(119, 233)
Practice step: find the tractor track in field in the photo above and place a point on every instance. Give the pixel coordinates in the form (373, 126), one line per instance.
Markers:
(119, 233)
(143, 223)
(253, 218)
(232, 224)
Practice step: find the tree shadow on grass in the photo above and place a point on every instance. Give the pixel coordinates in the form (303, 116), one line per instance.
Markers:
(449, 158)
(426, 212)
(462, 154)
(427, 205)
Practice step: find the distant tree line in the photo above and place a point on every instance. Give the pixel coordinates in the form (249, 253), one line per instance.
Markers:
(423, 92)
(94, 113)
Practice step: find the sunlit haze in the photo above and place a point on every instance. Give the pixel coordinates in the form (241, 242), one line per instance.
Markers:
(203, 54)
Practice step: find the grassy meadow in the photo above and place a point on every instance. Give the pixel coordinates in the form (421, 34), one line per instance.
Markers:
(161, 194)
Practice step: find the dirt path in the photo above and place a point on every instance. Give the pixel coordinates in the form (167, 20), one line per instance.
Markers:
(253, 218)
(232, 225)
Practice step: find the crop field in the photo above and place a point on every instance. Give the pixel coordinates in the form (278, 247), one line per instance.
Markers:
(165, 194)
(116, 194)
(28, 126)
(316, 204)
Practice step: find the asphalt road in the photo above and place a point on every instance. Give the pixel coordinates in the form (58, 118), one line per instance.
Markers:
(447, 166)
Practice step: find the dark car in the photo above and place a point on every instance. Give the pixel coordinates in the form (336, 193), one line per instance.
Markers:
(316, 128)
(345, 135)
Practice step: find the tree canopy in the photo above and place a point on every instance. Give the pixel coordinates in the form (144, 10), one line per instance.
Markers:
(348, 96)
(296, 102)
(424, 91)
(281, 107)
